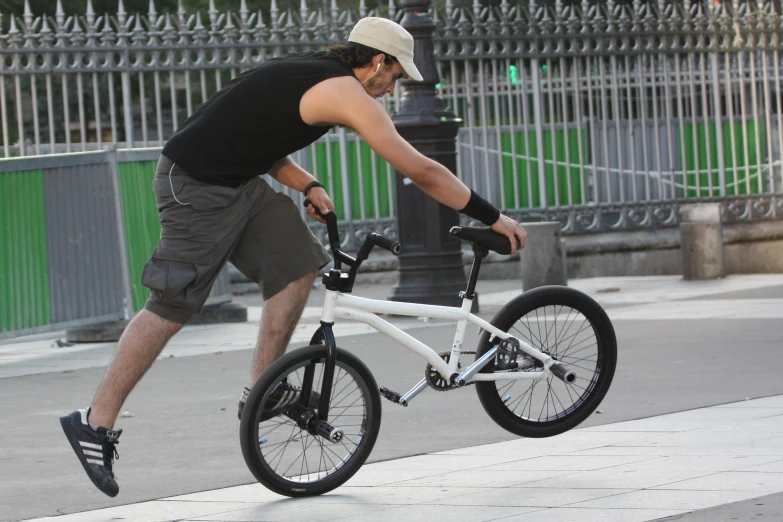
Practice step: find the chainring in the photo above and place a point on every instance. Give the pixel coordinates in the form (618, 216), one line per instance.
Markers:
(434, 378)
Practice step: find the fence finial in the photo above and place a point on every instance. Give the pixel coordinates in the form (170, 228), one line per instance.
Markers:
(334, 10)
(304, 12)
(138, 29)
(108, 30)
(213, 14)
(244, 13)
(76, 29)
(184, 23)
(89, 12)
(121, 14)
(362, 9)
(153, 14)
(59, 14)
(28, 14)
(45, 30)
(13, 31)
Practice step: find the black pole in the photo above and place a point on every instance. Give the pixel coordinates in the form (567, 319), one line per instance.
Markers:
(430, 269)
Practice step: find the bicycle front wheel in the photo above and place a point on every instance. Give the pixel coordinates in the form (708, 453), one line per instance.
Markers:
(573, 329)
(280, 450)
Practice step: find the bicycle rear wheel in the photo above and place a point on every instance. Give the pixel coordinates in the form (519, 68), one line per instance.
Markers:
(282, 450)
(573, 329)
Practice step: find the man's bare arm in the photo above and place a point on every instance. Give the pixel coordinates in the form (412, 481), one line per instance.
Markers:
(344, 101)
(290, 174)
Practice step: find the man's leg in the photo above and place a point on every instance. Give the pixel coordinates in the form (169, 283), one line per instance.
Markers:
(280, 317)
(139, 346)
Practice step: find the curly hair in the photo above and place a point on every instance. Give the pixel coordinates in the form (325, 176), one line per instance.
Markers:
(357, 55)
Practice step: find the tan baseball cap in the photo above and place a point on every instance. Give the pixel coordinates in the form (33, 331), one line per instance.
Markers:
(388, 37)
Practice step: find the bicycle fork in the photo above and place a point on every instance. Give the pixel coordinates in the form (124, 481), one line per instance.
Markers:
(316, 423)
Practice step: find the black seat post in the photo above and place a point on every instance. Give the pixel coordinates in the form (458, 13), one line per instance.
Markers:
(479, 253)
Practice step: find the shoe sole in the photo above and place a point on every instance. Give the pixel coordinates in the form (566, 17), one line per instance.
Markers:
(73, 439)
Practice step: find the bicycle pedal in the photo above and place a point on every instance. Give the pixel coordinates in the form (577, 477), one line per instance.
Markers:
(393, 396)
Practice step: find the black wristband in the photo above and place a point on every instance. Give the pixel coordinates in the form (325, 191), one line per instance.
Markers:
(481, 209)
(311, 185)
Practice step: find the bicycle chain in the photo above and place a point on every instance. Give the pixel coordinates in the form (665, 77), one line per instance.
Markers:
(434, 378)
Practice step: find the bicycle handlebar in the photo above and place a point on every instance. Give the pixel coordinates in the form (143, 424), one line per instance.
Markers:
(386, 243)
(372, 239)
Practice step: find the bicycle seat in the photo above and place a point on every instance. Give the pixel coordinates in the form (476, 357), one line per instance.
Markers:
(485, 237)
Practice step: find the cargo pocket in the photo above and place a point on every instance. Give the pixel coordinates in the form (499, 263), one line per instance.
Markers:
(173, 270)
(171, 279)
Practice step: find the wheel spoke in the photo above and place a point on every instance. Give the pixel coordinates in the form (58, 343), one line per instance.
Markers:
(564, 332)
(301, 457)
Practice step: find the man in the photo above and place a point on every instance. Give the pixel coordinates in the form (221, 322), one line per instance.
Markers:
(215, 207)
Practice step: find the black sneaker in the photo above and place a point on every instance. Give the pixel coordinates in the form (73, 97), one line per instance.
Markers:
(94, 448)
(284, 395)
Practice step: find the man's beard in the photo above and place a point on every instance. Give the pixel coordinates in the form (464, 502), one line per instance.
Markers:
(374, 86)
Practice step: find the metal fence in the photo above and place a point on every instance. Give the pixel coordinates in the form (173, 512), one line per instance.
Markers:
(75, 232)
(602, 116)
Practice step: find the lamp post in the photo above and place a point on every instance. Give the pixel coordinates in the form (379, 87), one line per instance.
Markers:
(430, 267)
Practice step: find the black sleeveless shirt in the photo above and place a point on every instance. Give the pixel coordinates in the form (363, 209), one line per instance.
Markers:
(254, 121)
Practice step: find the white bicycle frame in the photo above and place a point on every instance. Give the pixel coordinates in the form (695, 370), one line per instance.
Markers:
(363, 310)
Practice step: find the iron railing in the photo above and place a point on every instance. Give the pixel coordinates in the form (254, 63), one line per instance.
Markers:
(602, 116)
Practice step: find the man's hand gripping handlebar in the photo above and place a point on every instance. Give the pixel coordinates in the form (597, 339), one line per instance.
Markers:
(372, 240)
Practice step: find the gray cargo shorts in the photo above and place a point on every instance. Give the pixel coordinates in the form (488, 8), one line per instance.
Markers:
(202, 226)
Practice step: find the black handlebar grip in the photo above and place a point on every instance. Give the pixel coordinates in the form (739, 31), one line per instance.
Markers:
(331, 224)
(386, 243)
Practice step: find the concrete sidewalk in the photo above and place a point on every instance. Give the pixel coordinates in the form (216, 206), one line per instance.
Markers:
(626, 472)
(635, 470)
(647, 298)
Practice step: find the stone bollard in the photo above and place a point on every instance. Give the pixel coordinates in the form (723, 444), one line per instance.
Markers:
(701, 241)
(543, 260)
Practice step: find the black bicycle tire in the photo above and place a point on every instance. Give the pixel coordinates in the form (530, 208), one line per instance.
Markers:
(248, 431)
(546, 296)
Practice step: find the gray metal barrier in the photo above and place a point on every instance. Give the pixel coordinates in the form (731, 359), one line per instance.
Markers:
(75, 232)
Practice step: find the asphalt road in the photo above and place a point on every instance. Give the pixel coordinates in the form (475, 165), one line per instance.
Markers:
(184, 435)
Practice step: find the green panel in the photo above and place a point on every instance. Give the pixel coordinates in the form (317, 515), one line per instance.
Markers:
(380, 183)
(142, 222)
(356, 157)
(24, 269)
(335, 190)
(528, 182)
(353, 178)
(742, 176)
(526, 143)
(563, 172)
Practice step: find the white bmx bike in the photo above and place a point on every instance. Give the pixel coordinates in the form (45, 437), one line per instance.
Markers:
(542, 366)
